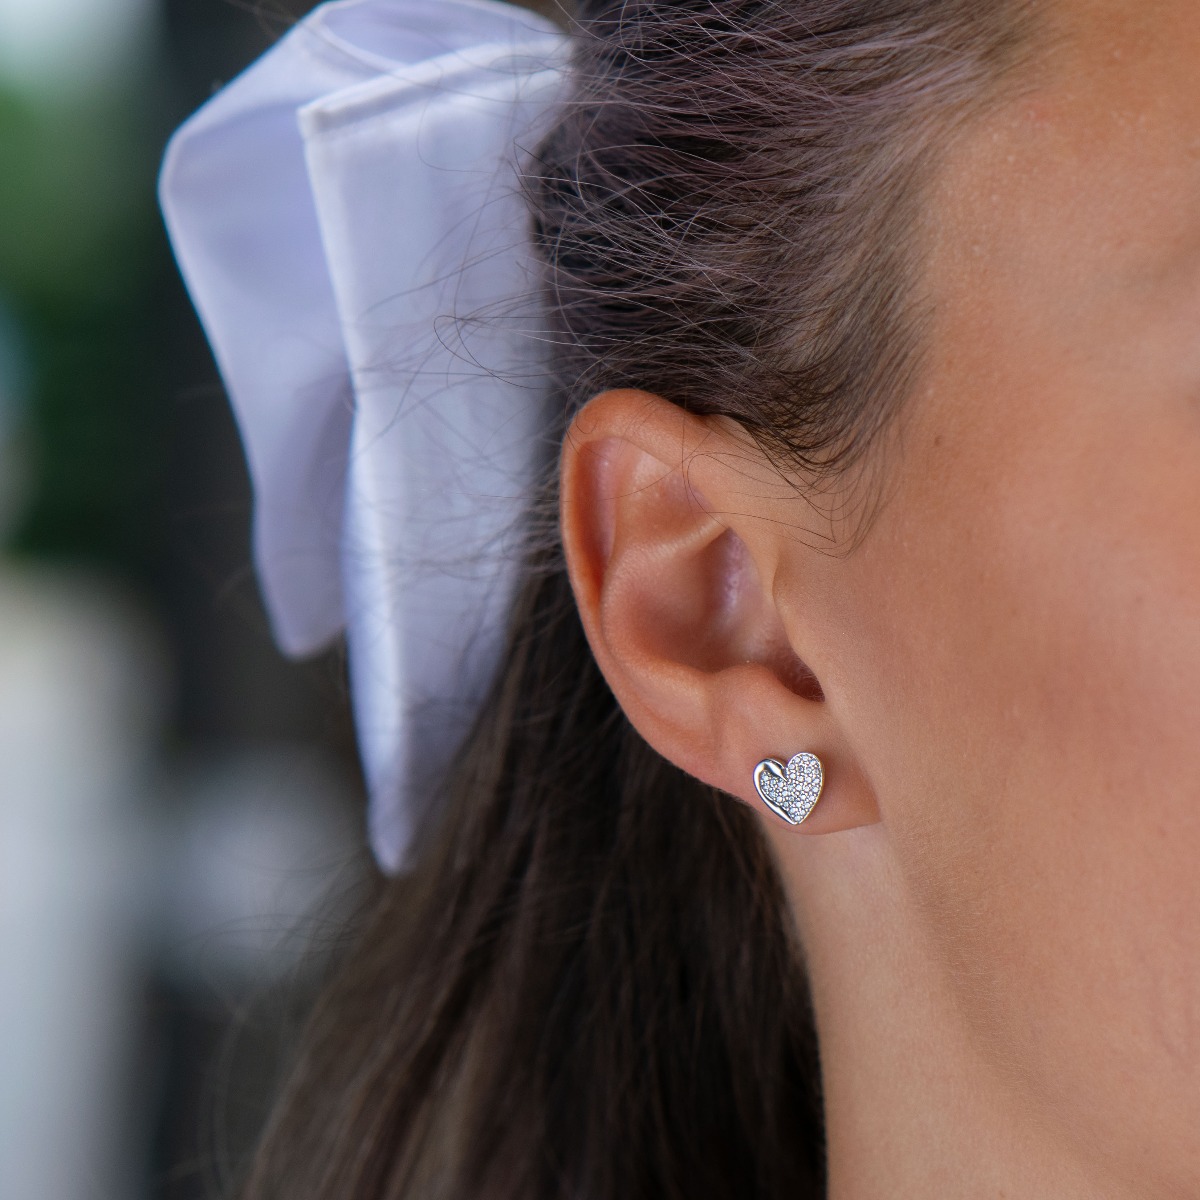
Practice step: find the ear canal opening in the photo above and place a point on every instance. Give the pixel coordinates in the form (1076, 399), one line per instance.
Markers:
(796, 676)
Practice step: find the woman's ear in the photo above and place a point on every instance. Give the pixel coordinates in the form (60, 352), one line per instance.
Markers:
(672, 553)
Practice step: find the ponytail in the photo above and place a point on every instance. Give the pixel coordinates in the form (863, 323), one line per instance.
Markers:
(588, 988)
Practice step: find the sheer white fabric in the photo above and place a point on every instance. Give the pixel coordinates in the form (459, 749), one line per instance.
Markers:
(348, 219)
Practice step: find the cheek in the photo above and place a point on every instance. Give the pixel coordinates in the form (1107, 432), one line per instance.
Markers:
(1040, 721)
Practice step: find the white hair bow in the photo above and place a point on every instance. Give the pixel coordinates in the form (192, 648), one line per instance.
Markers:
(348, 220)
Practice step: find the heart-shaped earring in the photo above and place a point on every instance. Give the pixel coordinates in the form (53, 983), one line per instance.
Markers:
(790, 792)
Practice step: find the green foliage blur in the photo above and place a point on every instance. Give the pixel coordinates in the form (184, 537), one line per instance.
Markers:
(80, 251)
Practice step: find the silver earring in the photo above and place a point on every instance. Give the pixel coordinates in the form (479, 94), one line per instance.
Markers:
(790, 792)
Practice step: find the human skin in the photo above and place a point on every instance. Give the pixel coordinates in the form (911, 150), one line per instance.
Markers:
(998, 893)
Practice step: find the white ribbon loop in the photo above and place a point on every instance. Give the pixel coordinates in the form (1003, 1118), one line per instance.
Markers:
(349, 223)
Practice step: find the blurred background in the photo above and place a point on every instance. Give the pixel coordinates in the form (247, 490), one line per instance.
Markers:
(180, 810)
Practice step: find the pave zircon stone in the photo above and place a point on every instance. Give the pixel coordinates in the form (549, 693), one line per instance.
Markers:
(792, 791)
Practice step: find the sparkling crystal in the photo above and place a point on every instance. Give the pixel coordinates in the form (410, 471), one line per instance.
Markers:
(790, 791)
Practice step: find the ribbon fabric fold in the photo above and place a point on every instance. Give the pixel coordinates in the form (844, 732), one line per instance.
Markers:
(347, 216)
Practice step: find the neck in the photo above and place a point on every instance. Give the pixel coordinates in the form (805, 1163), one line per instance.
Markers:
(913, 1107)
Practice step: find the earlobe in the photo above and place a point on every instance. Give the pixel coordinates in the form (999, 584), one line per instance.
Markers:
(673, 572)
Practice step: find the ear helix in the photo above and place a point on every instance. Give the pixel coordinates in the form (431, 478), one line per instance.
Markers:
(790, 792)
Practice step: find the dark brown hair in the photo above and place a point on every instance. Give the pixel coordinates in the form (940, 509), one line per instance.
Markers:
(590, 987)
